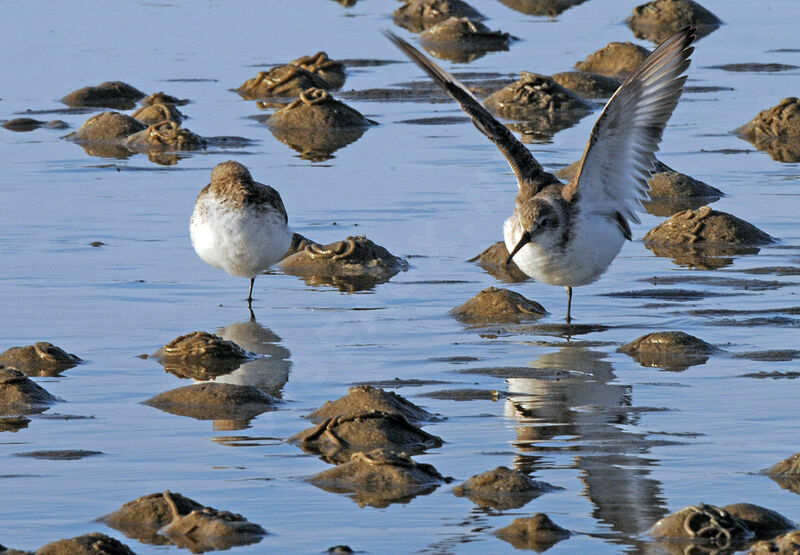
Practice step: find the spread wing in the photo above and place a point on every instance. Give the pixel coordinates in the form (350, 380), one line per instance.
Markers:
(528, 171)
(619, 157)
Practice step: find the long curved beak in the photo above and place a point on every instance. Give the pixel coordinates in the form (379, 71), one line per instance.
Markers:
(524, 240)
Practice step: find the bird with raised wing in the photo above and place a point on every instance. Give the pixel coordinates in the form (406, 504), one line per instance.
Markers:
(568, 234)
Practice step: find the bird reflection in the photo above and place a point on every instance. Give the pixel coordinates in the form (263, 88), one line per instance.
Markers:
(269, 373)
(587, 414)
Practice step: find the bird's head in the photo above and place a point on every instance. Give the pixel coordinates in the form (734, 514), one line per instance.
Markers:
(542, 222)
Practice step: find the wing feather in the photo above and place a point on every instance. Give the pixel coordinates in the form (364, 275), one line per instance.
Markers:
(530, 176)
(620, 154)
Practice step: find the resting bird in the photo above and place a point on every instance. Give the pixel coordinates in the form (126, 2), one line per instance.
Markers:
(238, 224)
(569, 234)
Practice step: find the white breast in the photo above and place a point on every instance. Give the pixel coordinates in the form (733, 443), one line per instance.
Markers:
(243, 242)
(595, 241)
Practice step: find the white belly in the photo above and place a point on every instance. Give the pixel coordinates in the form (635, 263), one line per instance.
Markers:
(595, 242)
(241, 242)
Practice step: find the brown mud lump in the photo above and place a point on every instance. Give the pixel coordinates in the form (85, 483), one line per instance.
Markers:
(40, 359)
(337, 439)
(316, 108)
(537, 532)
(549, 8)
(493, 260)
(214, 401)
(201, 355)
(533, 94)
(107, 127)
(379, 478)
(320, 64)
(356, 261)
(316, 125)
(786, 473)
(658, 20)
(29, 124)
(776, 131)
(587, 85)
(158, 112)
(502, 488)
(704, 226)
(365, 398)
(785, 544)
(170, 518)
(672, 350)
(111, 94)
(209, 529)
(764, 523)
(163, 98)
(418, 15)
(286, 81)
(20, 394)
(142, 518)
(461, 39)
(165, 135)
(703, 524)
(616, 59)
(498, 305)
(87, 544)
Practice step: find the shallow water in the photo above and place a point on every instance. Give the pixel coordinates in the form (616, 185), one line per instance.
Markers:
(628, 443)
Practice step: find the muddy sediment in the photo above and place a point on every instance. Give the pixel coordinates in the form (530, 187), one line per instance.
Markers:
(658, 20)
(286, 81)
(201, 355)
(87, 544)
(460, 39)
(776, 130)
(365, 398)
(704, 225)
(21, 395)
(498, 305)
(316, 125)
(704, 238)
(40, 359)
(786, 473)
(235, 404)
(538, 533)
(320, 64)
(379, 478)
(703, 524)
(502, 489)
(337, 439)
(171, 519)
(111, 94)
(616, 60)
(353, 264)
(159, 112)
(785, 544)
(587, 85)
(29, 124)
(549, 8)
(418, 15)
(671, 350)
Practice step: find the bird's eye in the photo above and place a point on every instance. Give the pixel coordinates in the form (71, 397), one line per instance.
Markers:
(544, 223)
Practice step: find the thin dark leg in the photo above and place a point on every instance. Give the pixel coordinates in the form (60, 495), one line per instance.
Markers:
(569, 304)
(250, 294)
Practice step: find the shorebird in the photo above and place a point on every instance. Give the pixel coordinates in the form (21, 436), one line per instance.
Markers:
(239, 225)
(568, 234)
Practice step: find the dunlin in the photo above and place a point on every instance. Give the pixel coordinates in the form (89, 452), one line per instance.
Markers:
(238, 224)
(568, 234)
